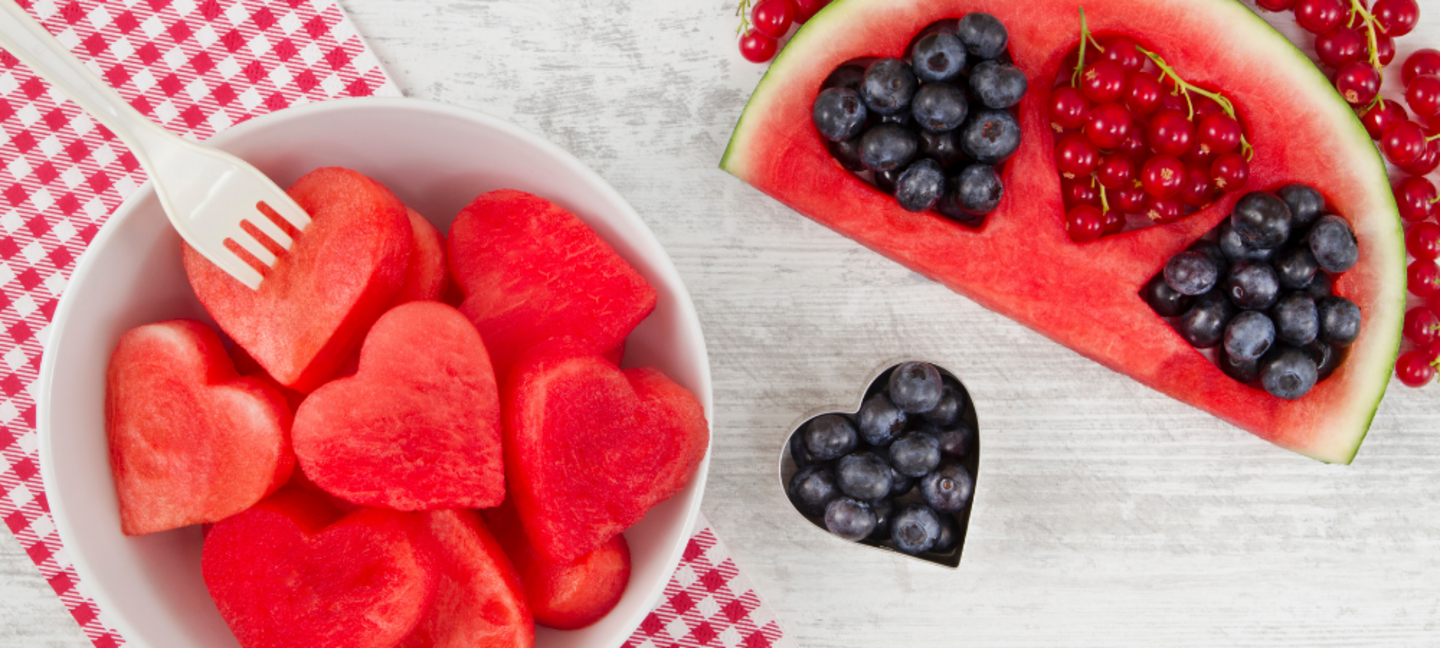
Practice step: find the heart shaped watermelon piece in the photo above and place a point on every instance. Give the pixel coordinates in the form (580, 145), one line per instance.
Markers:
(316, 303)
(425, 272)
(590, 448)
(532, 271)
(1022, 264)
(479, 600)
(291, 572)
(190, 440)
(418, 427)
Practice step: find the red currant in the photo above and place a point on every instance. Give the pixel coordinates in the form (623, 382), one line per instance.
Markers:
(1358, 83)
(1108, 126)
(1403, 143)
(1131, 199)
(1230, 172)
(1396, 17)
(1275, 5)
(757, 47)
(1114, 223)
(1076, 156)
(1084, 223)
(772, 17)
(1080, 191)
(1423, 61)
(806, 9)
(1384, 48)
(1340, 46)
(1135, 145)
(1219, 132)
(1319, 16)
(1381, 115)
(1198, 189)
(1429, 160)
(1422, 326)
(1162, 176)
(1171, 101)
(1125, 51)
(1423, 95)
(1068, 109)
(1115, 171)
(1103, 81)
(1143, 94)
(1171, 133)
(1423, 278)
(1416, 198)
(1415, 368)
(1423, 241)
(1163, 211)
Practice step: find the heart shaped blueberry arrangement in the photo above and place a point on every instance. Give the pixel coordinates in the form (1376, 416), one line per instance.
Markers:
(898, 473)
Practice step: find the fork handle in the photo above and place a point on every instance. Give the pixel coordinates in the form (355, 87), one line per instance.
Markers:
(28, 41)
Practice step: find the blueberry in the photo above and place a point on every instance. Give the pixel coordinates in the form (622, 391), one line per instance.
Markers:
(939, 107)
(956, 440)
(949, 536)
(880, 420)
(849, 519)
(983, 35)
(990, 136)
(1305, 203)
(998, 85)
(812, 487)
(1296, 267)
(1249, 335)
(1339, 320)
(886, 180)
(887, 147)
(1191, 273)
(915, 528)
(1166, 301)
(830, 436)
(1262, 220)
(1333, 243)
(798, 453)
(906, 119)
(1297, 321)
(1321, 286)
(849, 76)
(847, 153)
(938, 56)
(941, 147)
(1203, 326)
(884, 509)
(1235, 248)
(1212, 250)
(1252, 285)
(888, 87)
(916, 387)
(920, 186)
(863, 476)
(915, 454)
(948, 488)
(1243, 371)
(972, 194)
(839, 114)
(1288, 373)
(900, 484)
(1327, 358)
(949, 409)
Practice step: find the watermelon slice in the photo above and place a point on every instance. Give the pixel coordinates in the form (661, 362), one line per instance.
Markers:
(425, 272)
(478, 599)
(1086, 296)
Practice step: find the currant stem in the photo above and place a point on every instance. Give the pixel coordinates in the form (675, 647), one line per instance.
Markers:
(1357, 8)
(1085, 37)
(1184, 88)
(743, 12)
(1104, 202)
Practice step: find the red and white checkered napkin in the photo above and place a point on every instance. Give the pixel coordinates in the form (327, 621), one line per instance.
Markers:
(198, 67)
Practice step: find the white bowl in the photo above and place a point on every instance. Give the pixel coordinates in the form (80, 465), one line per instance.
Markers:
(436, 158)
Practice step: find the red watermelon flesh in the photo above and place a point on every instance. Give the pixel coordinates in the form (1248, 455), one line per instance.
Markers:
(292, 573)
(425, 272)
(531, 271)
(190, 440)
(1022, 264)
(418, 427)
(563, 595)
(316, 303)
(589, 448)
(246, 365)
(478, 600)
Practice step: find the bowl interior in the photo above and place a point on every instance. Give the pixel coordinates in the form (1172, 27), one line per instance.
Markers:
(436, 159)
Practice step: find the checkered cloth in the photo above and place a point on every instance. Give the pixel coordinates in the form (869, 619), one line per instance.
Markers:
(198, 67)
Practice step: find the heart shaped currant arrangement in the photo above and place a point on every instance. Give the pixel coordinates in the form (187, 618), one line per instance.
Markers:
(898, 473)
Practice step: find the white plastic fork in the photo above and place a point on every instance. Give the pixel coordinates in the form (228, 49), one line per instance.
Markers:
(209, 195)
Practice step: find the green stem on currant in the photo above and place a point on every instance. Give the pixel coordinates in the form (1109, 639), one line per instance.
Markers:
(743, 11)
(1085, 37)
(1432, 138)
(1104, 202)
(1357, 8)
(1184, 88)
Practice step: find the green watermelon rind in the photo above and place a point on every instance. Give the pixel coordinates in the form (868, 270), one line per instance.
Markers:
(1388, 238)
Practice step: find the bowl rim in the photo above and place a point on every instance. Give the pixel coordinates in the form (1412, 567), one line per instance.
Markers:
(127, 210)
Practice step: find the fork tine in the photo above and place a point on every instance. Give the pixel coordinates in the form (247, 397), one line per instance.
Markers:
(270, 229)
(236, 267)
(291, 212)
(254, 247)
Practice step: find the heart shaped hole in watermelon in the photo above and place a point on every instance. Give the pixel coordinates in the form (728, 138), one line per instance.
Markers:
(965, 443)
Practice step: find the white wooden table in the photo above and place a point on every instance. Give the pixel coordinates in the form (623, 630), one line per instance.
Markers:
(1106, 514)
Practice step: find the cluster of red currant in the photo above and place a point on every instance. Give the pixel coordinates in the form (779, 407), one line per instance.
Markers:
(762, 27)
(1137, 144)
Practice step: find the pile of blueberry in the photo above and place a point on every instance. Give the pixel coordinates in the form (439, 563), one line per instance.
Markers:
(900, 474)
(931, 129)
(1260, 290)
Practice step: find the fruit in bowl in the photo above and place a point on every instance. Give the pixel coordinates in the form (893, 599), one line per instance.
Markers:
(435, 159)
